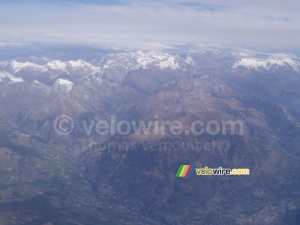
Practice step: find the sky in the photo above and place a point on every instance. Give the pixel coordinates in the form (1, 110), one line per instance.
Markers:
(155, 24)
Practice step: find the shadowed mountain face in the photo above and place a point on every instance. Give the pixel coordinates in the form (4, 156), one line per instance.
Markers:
(90, 178)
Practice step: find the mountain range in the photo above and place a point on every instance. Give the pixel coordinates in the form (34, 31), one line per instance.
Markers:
(83, 178)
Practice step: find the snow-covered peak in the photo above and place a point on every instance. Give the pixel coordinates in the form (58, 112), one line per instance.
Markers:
(141, 59)
(17, 66)
(57, 65)
(84, 66)
(162, 60)
(268, 63)
(11, 79)
(79, 64)
(63, 85)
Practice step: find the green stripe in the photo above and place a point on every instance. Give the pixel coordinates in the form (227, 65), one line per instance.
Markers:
(179, 171)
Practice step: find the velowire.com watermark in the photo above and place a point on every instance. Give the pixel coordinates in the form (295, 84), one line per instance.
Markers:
(187, 171)
(64, 125)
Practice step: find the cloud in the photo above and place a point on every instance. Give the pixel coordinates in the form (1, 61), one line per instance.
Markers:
(156, 24)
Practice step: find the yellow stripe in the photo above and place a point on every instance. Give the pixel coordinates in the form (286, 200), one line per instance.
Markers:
(184, 170)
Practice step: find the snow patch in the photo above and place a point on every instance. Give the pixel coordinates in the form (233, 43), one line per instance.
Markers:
(189, 60)
(63, 85)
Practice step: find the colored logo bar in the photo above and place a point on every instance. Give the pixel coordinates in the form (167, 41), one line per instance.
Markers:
(184, 171)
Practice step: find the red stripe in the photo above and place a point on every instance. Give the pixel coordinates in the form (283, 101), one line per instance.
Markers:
(189, 170)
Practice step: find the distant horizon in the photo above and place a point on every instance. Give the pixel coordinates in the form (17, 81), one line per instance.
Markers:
(27, 48)
(165, 24)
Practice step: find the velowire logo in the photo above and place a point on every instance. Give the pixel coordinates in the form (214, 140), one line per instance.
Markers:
(186, 171)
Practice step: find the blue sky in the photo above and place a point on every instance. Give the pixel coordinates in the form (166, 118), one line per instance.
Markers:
(153, 24)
